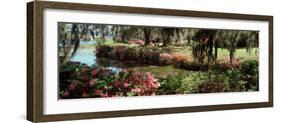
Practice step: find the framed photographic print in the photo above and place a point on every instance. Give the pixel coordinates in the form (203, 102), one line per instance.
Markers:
(96, 61)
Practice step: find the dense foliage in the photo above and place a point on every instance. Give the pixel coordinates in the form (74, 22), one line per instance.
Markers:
(202, 69)
(81, 81)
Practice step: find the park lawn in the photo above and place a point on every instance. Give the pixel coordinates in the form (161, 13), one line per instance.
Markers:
(241, 53)
(113, 43)
(107, 42)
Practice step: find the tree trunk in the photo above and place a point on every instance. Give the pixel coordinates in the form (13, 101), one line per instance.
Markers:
(147, 35)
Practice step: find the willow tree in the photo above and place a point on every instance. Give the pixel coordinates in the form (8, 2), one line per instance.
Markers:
(179, 35)
(68, 41)
(167, 34)
(230, 39)
(207, 42)
(126, 33)
(252, 40)
(189, 34)
(85, 30)
(203, 46)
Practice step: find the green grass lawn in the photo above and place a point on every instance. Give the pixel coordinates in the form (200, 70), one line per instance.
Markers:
(107, 42)
(241, 53)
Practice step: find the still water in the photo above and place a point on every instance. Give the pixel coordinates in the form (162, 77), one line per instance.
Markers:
(88, 56)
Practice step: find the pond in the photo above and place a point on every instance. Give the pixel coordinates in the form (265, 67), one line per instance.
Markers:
(87, 55)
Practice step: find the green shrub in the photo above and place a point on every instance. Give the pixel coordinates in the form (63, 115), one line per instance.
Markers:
(250, 73)
(249, 67)
(191, 83)
(212, 87)
(233, 75)
(234, 81)
(170, 84)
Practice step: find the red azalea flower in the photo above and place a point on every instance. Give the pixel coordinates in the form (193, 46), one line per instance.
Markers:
(72, 87)
(94, 72)
(84, 78)
(116, 83)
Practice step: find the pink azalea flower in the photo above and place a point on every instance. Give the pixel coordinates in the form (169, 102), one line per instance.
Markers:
(75, 82)
(125, 70)
(136, 90)
(105, 94)
(157, 85)
(84, 94)
(126, 85)
(66, 94)
(98, 92)
(92, 82)
(149, 80)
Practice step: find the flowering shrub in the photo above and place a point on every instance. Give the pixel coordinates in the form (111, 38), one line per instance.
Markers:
(153, 56)
(149, 55)
(225, 65)
(138, 41)
(165, 59)
(86, 82)
(194, 66)
(118, 52)
(131, 54)
(136, 84)
(144, 55)
(104, 51)
(180, 60)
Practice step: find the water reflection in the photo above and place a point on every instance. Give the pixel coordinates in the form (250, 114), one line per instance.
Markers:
(87, 55)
